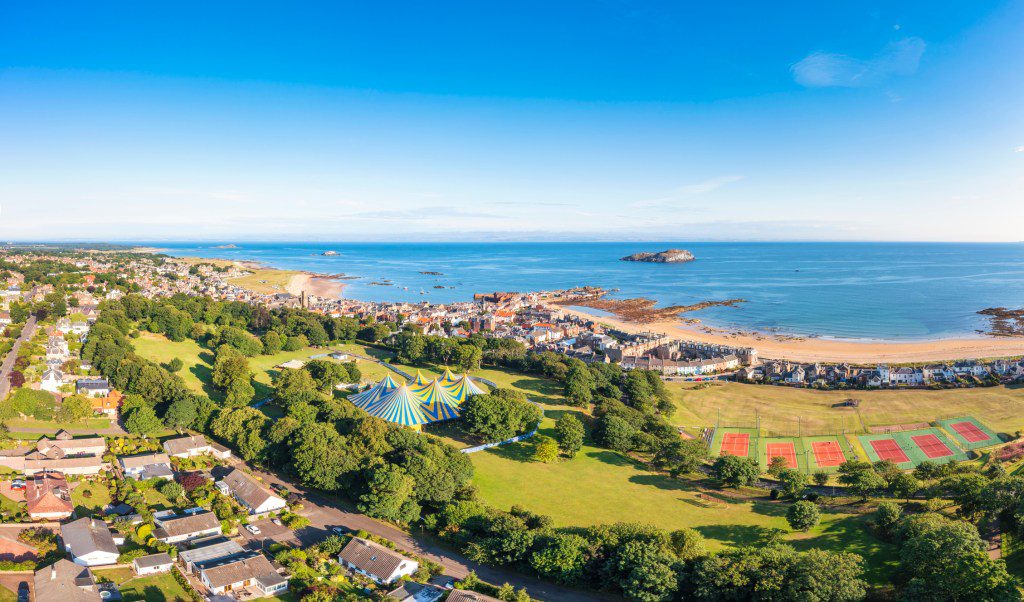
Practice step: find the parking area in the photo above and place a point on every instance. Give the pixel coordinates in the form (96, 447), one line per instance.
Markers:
(268, 533)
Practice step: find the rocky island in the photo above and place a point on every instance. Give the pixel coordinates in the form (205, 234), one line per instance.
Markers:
(669, 256)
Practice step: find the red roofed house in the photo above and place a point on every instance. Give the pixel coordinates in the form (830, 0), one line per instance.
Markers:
(48, 496)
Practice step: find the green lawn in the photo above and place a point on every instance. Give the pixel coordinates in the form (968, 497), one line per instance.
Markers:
(7, 595)
(197, 370)
(784, 408)
(93, 502)
(151, 588)
(52, 425)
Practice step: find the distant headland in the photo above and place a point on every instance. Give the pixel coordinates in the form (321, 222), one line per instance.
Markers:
(668, 256)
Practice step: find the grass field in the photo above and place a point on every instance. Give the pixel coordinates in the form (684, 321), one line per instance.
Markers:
(151, 588)
(89, 498)
(32, 423)
(600, 486)
(783, 410)
(266, 281)
(198, 362)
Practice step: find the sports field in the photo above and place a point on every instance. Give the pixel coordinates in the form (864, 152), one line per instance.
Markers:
(907, 449)
(791, 449)
(827, 452)
(735, 442)
(969, 432)
(784, 410)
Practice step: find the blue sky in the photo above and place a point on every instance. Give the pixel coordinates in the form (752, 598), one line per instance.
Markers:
(513, 121)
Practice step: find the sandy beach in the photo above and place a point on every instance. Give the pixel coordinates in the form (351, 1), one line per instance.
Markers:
(316, 285)
(829, 350)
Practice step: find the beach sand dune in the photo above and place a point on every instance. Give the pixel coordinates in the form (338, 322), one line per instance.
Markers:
(315, 285)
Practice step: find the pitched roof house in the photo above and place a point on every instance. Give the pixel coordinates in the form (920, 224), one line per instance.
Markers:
(146, 466)
(195, 445)
(48, 496)
(67, 582)
(89, 541)
(248, 570)
(175, 529)
(461, 595)
(250, 493)
(381, 564)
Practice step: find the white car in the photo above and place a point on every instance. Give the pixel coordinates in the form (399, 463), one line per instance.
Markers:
(252, 529)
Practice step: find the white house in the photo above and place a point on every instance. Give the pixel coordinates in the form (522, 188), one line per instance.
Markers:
(176, 529)
(256, 498)
(89, 542)
(92, 387)
(52, 380)
(375, 561)
(146, 466)
(195, 445)
(251, 573)
(154, 563)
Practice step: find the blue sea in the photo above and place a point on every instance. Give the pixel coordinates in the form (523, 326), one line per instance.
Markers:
(877, 291)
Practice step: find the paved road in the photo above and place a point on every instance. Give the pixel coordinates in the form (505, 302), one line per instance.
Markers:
(325, 514)
(12, 355)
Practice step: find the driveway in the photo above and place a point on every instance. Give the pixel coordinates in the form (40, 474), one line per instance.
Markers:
(12, 355)
(324, 514)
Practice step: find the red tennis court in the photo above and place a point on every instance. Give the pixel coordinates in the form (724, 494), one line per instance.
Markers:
(970, 431)
(782, 450)
(888, 449)
(736, 444)
(827, 453)
(932, 446)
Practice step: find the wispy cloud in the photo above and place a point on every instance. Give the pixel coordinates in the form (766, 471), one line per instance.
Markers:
(1019, 149)
(826, 69)
(708, 185)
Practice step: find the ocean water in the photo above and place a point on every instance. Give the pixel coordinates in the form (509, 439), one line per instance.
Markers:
(881, 291)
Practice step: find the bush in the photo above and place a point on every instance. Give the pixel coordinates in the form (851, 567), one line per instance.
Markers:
(803, 515)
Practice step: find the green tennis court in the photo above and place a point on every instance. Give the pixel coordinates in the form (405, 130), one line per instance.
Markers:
(907, 449)
(732, 441)
(827, 452)
(969, 432)
(790, 448)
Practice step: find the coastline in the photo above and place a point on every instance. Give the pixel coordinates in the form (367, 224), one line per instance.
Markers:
(798, 349)
(269, 280)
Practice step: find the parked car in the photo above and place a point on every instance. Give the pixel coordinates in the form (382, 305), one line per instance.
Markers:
(276, 521)
(252, 529)
(340, 530)
(17, 484)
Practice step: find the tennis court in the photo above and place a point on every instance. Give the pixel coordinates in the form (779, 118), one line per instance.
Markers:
(736, 444)
(889, 449)
(787, 451)
(733, 441)
(969, 432)
(827, 453)
(931, 446)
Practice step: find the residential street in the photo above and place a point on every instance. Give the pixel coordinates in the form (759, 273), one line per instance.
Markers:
(325, 514)
(12, 355)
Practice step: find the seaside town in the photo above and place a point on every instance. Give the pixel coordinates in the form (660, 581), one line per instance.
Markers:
(111, 490)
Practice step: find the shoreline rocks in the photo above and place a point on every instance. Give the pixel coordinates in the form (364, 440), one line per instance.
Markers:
(667, 256)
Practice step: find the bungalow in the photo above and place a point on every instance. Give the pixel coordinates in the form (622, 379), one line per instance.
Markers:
(48, 497)
(206, 550)
(109, 405)
(250, 571)
(410, 591)
(153, 563)
(89, 542)
(195, 445)
(176, 529)
(35, 462)
(461, 595)
(5, 318)
(250, 493)
(380, 564)
(64, 444)
(146, 466)
(67, 582)
(92, 387)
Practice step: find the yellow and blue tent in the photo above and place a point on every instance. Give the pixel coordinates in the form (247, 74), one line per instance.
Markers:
(464, 388)
(447, 377)
(438, 402)
(400, 406)
(420, 381)
(374, 393)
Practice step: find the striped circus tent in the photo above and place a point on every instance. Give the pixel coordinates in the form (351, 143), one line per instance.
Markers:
(401, 406)
(374, 393)
(420, 381)
(463, 388)
(447, 377)
(438, 402)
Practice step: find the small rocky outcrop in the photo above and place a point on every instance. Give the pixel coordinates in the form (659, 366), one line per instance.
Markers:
(669, 256)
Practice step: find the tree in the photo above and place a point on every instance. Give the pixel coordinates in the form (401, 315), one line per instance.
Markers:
(17, 379)
(175, 365)
(469, 358)
(569, 432)
(579, 385)
(327, 374)
(389, 495)
(776, 465)
(803, 515)
(820, 478)
(688, 544)
(861, 478)
(644, 569)
(680, 456)
(319, 457)
(296, 342)
(498, 415)
(561, 557)
(73, 409)
(181, 414)
(792, 482)
(142, 420)
(172, 491)
(903, 485)
(735, 471)
(616, 434)
(887, 518)
(272, 343)
(545, 449)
